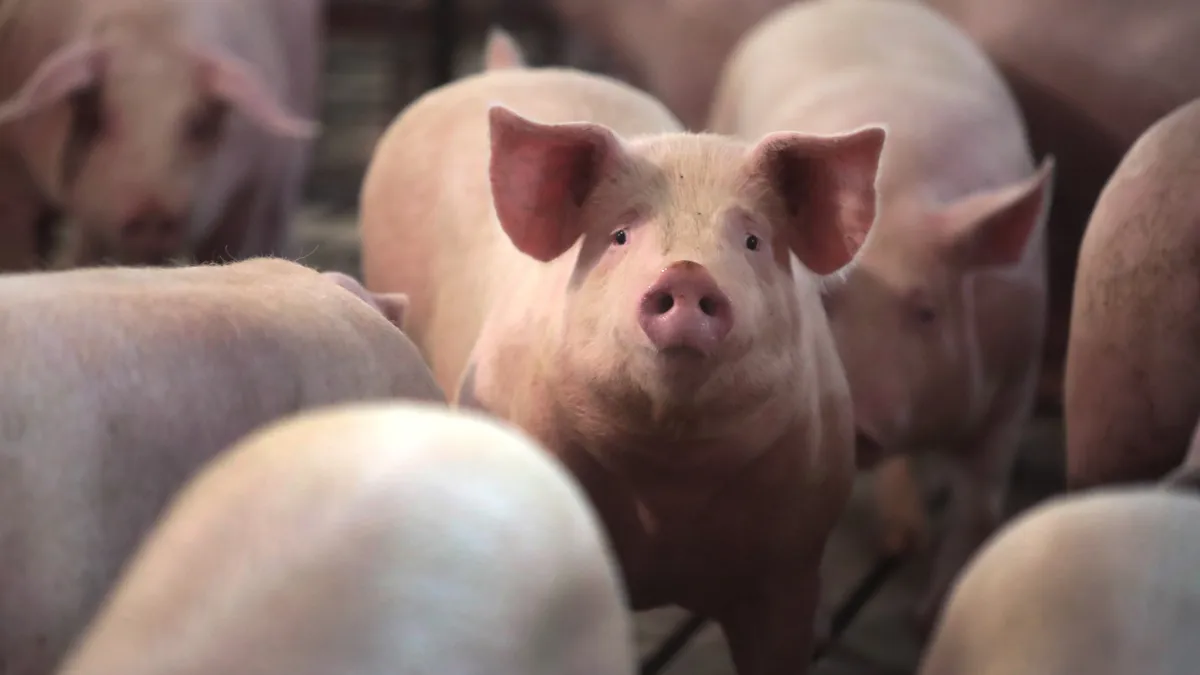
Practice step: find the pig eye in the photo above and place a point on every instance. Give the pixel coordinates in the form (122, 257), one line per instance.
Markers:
(752, 242)
(87, 109)
(206, 123)
(620, 237)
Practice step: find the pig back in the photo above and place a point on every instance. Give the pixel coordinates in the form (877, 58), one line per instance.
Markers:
(807, 45)
(124, 382)
(428, 224)
(1132, 387)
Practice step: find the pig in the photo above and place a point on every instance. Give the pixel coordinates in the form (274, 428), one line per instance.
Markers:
(502, 51)
(160, 128)
(378, 537)
(1091, 76)
(674, 49)
(123, 381)
(644, 303)
(1132, 388)
(938, 318)
(1102, 583)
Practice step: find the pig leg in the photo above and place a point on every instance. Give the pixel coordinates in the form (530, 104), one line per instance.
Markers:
(980, 475)
(903, 523)
(20, 208)
(770, 630)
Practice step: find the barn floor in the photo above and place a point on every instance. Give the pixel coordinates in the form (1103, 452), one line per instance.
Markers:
(880, 640)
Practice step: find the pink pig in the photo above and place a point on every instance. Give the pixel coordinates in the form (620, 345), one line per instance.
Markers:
(1132, 386)
(121, 382)
(369, 538)
(633, 297)
(939, 318)
(161, 128)
(1102, 583)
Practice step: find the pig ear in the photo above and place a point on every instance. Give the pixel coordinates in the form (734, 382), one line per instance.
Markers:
(231, 79)
(992, 229)
(394, 306)
(502, 51)
(541, 175)
(827, 188)
(69, 69)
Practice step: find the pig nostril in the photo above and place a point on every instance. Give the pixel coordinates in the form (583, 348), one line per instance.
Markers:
(663, 303)
(708, 306)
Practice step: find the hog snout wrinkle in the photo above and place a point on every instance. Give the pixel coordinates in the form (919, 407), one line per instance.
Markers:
(685, 309)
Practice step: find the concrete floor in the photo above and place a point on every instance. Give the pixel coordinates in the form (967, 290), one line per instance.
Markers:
(881, 640)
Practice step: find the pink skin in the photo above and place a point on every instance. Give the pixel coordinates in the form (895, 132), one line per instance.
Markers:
(131, 379)
(1132, 387)
(685, 310)
(138, 116)
(386, 537)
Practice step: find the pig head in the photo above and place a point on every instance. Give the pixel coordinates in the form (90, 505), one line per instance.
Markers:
(906, 313)
(683, 252)
(121, 122)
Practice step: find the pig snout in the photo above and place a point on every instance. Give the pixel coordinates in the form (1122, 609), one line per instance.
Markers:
(685, 310)
(151, 234)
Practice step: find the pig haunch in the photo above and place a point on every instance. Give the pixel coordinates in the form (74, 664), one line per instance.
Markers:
(1132, 387)
(121, 382)
(370, 538)
(1103, 583)
(643, 302)
(160, 128)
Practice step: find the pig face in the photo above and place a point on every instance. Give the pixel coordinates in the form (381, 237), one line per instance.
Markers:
(906, 317)
(681, 282)
(126, 120)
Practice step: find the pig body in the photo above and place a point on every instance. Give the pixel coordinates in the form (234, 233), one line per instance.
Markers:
(939, 317)
(370, 539)
(673, 49)
(634, 298)
(1132, 389)
(121, 382)
(1101, 583)
(1091, 76)
(159, 128)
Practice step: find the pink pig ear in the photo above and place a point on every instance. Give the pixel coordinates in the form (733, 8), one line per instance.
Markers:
(231, 79)
(541, 175)
(69, 69)
(502, 51)
(394, 306)
(993, 228)
(827, 187)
